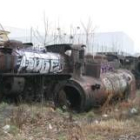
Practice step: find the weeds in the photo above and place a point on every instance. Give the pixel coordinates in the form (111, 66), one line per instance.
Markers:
(42, 122)
(19, 117)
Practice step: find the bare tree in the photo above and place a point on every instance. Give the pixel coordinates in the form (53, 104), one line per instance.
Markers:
(46, 27)
(88, 29)
(36, 34)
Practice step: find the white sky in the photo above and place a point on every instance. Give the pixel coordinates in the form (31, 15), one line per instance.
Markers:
(106, 15)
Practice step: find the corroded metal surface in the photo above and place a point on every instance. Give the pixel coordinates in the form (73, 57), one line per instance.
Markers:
(27, 60)
(6, 62)
(99, 83)
(91, 92)
(64, 73)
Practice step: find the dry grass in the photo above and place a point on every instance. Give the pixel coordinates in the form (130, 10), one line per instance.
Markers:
(41, 122)
(112, 128)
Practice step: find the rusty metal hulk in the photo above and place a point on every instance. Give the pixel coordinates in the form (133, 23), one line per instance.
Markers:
(63, 73)
(94, 82)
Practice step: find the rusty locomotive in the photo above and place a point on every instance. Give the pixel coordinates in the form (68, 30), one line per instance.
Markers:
(63, 73)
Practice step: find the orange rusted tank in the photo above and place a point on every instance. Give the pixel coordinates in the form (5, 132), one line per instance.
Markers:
(87, 92)
(98, 83)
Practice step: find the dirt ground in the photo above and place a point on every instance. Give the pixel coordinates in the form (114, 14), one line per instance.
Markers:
(42, 121)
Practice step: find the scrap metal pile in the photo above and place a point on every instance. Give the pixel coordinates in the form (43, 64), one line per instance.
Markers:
(65, 74)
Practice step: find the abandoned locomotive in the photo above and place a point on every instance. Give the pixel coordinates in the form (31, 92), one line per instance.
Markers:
(64, 73)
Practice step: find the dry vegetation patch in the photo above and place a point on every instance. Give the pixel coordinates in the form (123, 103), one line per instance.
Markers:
(43, 122)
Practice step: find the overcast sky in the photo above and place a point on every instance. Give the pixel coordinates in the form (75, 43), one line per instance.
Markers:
(106, 15)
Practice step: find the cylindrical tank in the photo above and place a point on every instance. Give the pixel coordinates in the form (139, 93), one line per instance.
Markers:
(86, 92)
(38, 62)
(27, 61)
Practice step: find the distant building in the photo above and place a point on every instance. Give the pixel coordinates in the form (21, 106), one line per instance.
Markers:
(97, 42)
(108, 42)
